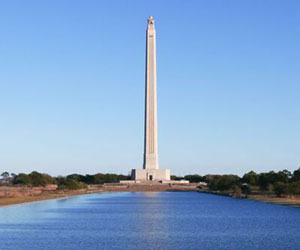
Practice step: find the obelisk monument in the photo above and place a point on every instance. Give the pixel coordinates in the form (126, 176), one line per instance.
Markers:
(150, 139)
(150, 171)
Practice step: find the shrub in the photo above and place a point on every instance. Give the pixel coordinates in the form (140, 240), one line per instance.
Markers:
(294, 188)
(246, 189)
(35, 179)
(250, 178)
(22, 179)
(194, 178)
(223, 182)
(69, 183)
(280, 188)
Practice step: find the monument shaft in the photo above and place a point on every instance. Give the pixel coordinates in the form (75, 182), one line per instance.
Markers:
(150, 171)
(150, 140)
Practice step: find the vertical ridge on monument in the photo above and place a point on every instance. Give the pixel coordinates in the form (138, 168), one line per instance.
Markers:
(150, 171)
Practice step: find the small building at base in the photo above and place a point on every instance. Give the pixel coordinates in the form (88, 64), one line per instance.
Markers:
(150, 174)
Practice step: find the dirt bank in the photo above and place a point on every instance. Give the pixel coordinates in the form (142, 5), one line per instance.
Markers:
(286, 200)
(16, 195)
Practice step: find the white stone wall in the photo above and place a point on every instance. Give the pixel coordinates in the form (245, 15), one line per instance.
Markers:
(151, 174)
(151, 171)
(151, 147)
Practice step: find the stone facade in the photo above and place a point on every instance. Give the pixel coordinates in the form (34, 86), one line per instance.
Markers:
(150, 139)
(151, 174)
(150, 171)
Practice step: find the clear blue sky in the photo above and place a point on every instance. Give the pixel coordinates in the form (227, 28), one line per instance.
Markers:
(72, 85)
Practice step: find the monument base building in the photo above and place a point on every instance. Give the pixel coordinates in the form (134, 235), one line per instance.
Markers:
(150, 174)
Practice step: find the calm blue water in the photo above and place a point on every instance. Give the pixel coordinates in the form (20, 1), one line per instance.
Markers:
(167, 220)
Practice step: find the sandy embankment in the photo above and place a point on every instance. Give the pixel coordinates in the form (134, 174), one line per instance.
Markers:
(15, 195)
(288, 200)
(268, 198)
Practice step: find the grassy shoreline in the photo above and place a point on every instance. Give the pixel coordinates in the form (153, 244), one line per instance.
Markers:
(288, 201)
(6, 201)
(57, 194)
(293, 201)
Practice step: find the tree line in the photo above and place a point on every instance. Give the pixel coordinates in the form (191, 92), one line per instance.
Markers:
(280, 183)
(73, 181)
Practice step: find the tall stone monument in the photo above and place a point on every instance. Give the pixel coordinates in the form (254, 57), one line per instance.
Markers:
(150, 171)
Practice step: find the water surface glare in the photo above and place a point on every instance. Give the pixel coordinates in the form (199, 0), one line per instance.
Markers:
(166, 220)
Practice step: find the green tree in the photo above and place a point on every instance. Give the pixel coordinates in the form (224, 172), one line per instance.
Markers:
(76, 177)
(176, 178)
(283, 176)
(69, 183)
(223, 182)
(250, 178)
(281, 188)
(246, 189)
(296, 175)
(5, 175)
(264, 181)
(22, 179)
(294, 188)
(267, 180)
(37, 179)
(194, 178)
